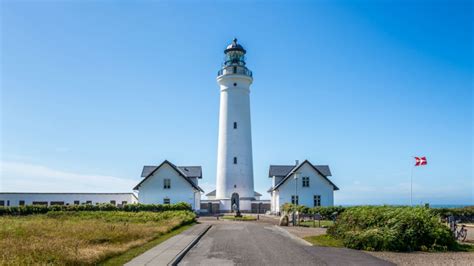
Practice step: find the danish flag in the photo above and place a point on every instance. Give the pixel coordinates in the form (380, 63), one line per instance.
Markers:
(420, 161)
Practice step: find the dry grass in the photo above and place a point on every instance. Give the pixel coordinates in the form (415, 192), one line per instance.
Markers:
(80, 237)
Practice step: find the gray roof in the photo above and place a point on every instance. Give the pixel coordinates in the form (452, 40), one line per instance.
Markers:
(186, 172)
(189, 171)
(213, 193)
(279, 169)
(284, 170)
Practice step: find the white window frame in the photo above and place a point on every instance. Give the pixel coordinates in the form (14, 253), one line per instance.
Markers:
(166, 183)
(293, 199)
(317, 200)
(305, 181)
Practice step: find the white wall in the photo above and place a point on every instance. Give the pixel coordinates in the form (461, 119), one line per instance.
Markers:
(67, 198)
(151, 191)
(318, 185)
(234, 107)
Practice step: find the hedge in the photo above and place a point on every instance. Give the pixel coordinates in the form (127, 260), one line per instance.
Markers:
(38, 209)
(392, 228)
(464, 214)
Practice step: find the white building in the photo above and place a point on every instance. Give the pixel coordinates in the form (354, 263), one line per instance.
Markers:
(234, 181)
(302, 184)
(169, 184)
(30, 198)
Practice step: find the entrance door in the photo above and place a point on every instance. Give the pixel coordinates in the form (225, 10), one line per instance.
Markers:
(235, 202)
(209, 207)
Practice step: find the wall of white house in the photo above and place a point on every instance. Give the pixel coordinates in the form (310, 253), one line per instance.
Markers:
(318, 185)
(152, 191)
(13, 199)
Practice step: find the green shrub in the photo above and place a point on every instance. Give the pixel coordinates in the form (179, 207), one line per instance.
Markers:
(392, 228)
(465, 214)
(37, 209)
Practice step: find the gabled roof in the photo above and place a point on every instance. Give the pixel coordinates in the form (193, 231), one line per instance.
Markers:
(186, 172)
(189, 171)
(213, 194)
(278, 170)
(284, 170)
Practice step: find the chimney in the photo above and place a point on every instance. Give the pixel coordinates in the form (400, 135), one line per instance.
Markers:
(297, 162)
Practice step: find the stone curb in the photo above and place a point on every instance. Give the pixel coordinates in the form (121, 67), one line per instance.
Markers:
(292, 236)
(183, 252)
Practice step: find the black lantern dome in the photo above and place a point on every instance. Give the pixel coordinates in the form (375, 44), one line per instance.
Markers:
(234, 46)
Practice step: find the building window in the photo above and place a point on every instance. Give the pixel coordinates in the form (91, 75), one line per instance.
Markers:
(235, 70)
(56, 203)
(166, 201)
(235, 84)
(112, 202)
(2, 203)
(21, 203)
(294, 199)
(317, 200)
(76, 202)
(167, 183)
(40, 203)
(8, 203)
(124, 202)
(89, 202)
(305, 181)
(235, 160)
(235, 125)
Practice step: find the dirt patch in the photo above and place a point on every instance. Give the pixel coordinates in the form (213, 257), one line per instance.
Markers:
(426, 258)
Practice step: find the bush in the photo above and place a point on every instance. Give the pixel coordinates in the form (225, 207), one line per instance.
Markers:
(465, 214)
(37, 209)
(392, 228)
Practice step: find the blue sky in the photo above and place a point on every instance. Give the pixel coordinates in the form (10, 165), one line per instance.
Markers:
(92, 91)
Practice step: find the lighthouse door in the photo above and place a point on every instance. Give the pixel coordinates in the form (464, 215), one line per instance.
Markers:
(235, 202)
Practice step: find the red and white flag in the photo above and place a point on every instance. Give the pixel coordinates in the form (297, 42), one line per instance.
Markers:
(420, 161)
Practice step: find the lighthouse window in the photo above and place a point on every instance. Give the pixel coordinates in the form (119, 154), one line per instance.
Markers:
(235, 125)
(235, 84)
(235, 160)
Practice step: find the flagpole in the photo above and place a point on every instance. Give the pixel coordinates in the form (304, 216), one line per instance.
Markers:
(411, 186)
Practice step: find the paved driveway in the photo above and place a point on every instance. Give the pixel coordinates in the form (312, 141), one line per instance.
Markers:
(248, 243)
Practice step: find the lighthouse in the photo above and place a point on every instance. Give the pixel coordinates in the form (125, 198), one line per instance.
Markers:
(234, 181)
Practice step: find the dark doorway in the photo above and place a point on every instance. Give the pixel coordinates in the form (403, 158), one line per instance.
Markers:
(209, 207)
(234, 202)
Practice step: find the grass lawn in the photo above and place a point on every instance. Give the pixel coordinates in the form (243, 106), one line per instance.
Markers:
(324, 223)
(84, 237)
(324, 241)
(243, 218)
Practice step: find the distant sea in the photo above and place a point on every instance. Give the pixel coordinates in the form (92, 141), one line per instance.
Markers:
(449, 205)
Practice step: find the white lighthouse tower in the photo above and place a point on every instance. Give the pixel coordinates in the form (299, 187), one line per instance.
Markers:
(234, 186)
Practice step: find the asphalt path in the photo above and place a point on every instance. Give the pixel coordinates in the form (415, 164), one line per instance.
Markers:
(247, 243)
